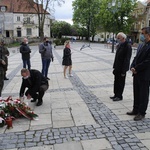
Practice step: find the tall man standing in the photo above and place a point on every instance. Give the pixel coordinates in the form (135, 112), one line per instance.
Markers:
(121, 66)
(25, 51)
(45, 49)
(140, 68)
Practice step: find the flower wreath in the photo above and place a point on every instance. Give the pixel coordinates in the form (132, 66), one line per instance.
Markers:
(15, 109)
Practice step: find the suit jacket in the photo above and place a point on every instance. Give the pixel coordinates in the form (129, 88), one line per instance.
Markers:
(25, 51)
(33, 83)
(122, 58)
(141, 62)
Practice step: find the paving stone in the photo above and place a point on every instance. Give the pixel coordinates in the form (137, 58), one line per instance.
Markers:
(96, 144)
(86, 114)
(69, 146)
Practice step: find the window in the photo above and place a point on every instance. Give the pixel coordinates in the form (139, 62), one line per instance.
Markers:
(18, 32)
(29, 31)
(3, 8)
(28, 20)
(18, 18)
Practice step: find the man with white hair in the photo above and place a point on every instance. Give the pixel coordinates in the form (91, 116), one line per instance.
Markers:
(121, 65)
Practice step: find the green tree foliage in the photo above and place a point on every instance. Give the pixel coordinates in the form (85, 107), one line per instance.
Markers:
(60, 28)
(85, 15)
(79, 31)
(116, 18)
(94, 15)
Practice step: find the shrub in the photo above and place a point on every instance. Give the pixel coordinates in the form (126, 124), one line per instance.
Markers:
(60, 41)
(14, 44)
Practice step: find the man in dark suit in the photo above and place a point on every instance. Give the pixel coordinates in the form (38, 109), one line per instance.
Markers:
(140, 68)
(121, 66)
(36, 83)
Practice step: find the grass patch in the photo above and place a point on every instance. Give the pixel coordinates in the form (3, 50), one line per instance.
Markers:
(15, 44)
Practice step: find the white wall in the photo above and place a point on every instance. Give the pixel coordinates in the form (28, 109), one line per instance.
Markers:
(34, 27)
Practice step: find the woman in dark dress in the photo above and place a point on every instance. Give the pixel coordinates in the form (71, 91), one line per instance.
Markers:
(67, 61)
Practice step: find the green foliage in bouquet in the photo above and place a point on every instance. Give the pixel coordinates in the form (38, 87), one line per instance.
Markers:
(15, 108)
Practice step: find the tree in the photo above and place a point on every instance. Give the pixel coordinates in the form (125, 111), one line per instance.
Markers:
(85, 15)
(116, 19)
(60, 28)
(96, 16)
(79, 31)
(42, 8)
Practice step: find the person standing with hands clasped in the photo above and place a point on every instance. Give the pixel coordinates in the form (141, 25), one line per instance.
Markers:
(67, 61)
(25, 51)
(140, 68)
(121, 66)
(45, 49)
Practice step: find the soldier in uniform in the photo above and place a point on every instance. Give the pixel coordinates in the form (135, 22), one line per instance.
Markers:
(2, 64)
(6, 54)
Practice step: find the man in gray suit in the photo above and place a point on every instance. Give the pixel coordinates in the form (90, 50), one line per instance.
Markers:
(45, 49)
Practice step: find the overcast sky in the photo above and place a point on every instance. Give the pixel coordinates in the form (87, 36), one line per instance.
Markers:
(65, 12)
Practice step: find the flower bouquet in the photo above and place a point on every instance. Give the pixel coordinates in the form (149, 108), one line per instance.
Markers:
(15, 108)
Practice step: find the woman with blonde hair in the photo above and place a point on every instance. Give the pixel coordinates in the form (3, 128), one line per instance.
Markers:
(67, 61)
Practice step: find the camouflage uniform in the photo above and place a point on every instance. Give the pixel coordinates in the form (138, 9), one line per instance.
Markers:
(6, 54)
(2, 58)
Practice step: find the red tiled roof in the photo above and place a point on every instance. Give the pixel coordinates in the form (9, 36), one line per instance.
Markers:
(18, 6)
(7, 4)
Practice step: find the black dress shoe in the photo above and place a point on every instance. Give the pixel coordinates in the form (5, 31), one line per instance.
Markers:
(48, 78)
(6, 78)
(139, 117)
(112, 97)
(132, 113)
(39, 103)
(117, 99)
(33, 100)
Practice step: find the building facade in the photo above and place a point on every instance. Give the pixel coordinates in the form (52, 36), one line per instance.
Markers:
(17, 20)
(140, 16)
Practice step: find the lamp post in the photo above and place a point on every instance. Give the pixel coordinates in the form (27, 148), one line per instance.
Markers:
(113, 7)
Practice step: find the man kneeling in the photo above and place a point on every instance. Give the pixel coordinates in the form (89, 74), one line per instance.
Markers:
(36, 83)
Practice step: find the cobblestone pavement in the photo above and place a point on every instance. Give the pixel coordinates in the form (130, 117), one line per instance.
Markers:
(77, 113)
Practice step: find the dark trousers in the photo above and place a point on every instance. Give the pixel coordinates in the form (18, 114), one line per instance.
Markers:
(1, 81)
(45, 66)
(39, 94)
(141, 95)
(119, 83)
(5, 66)
(26, 62)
